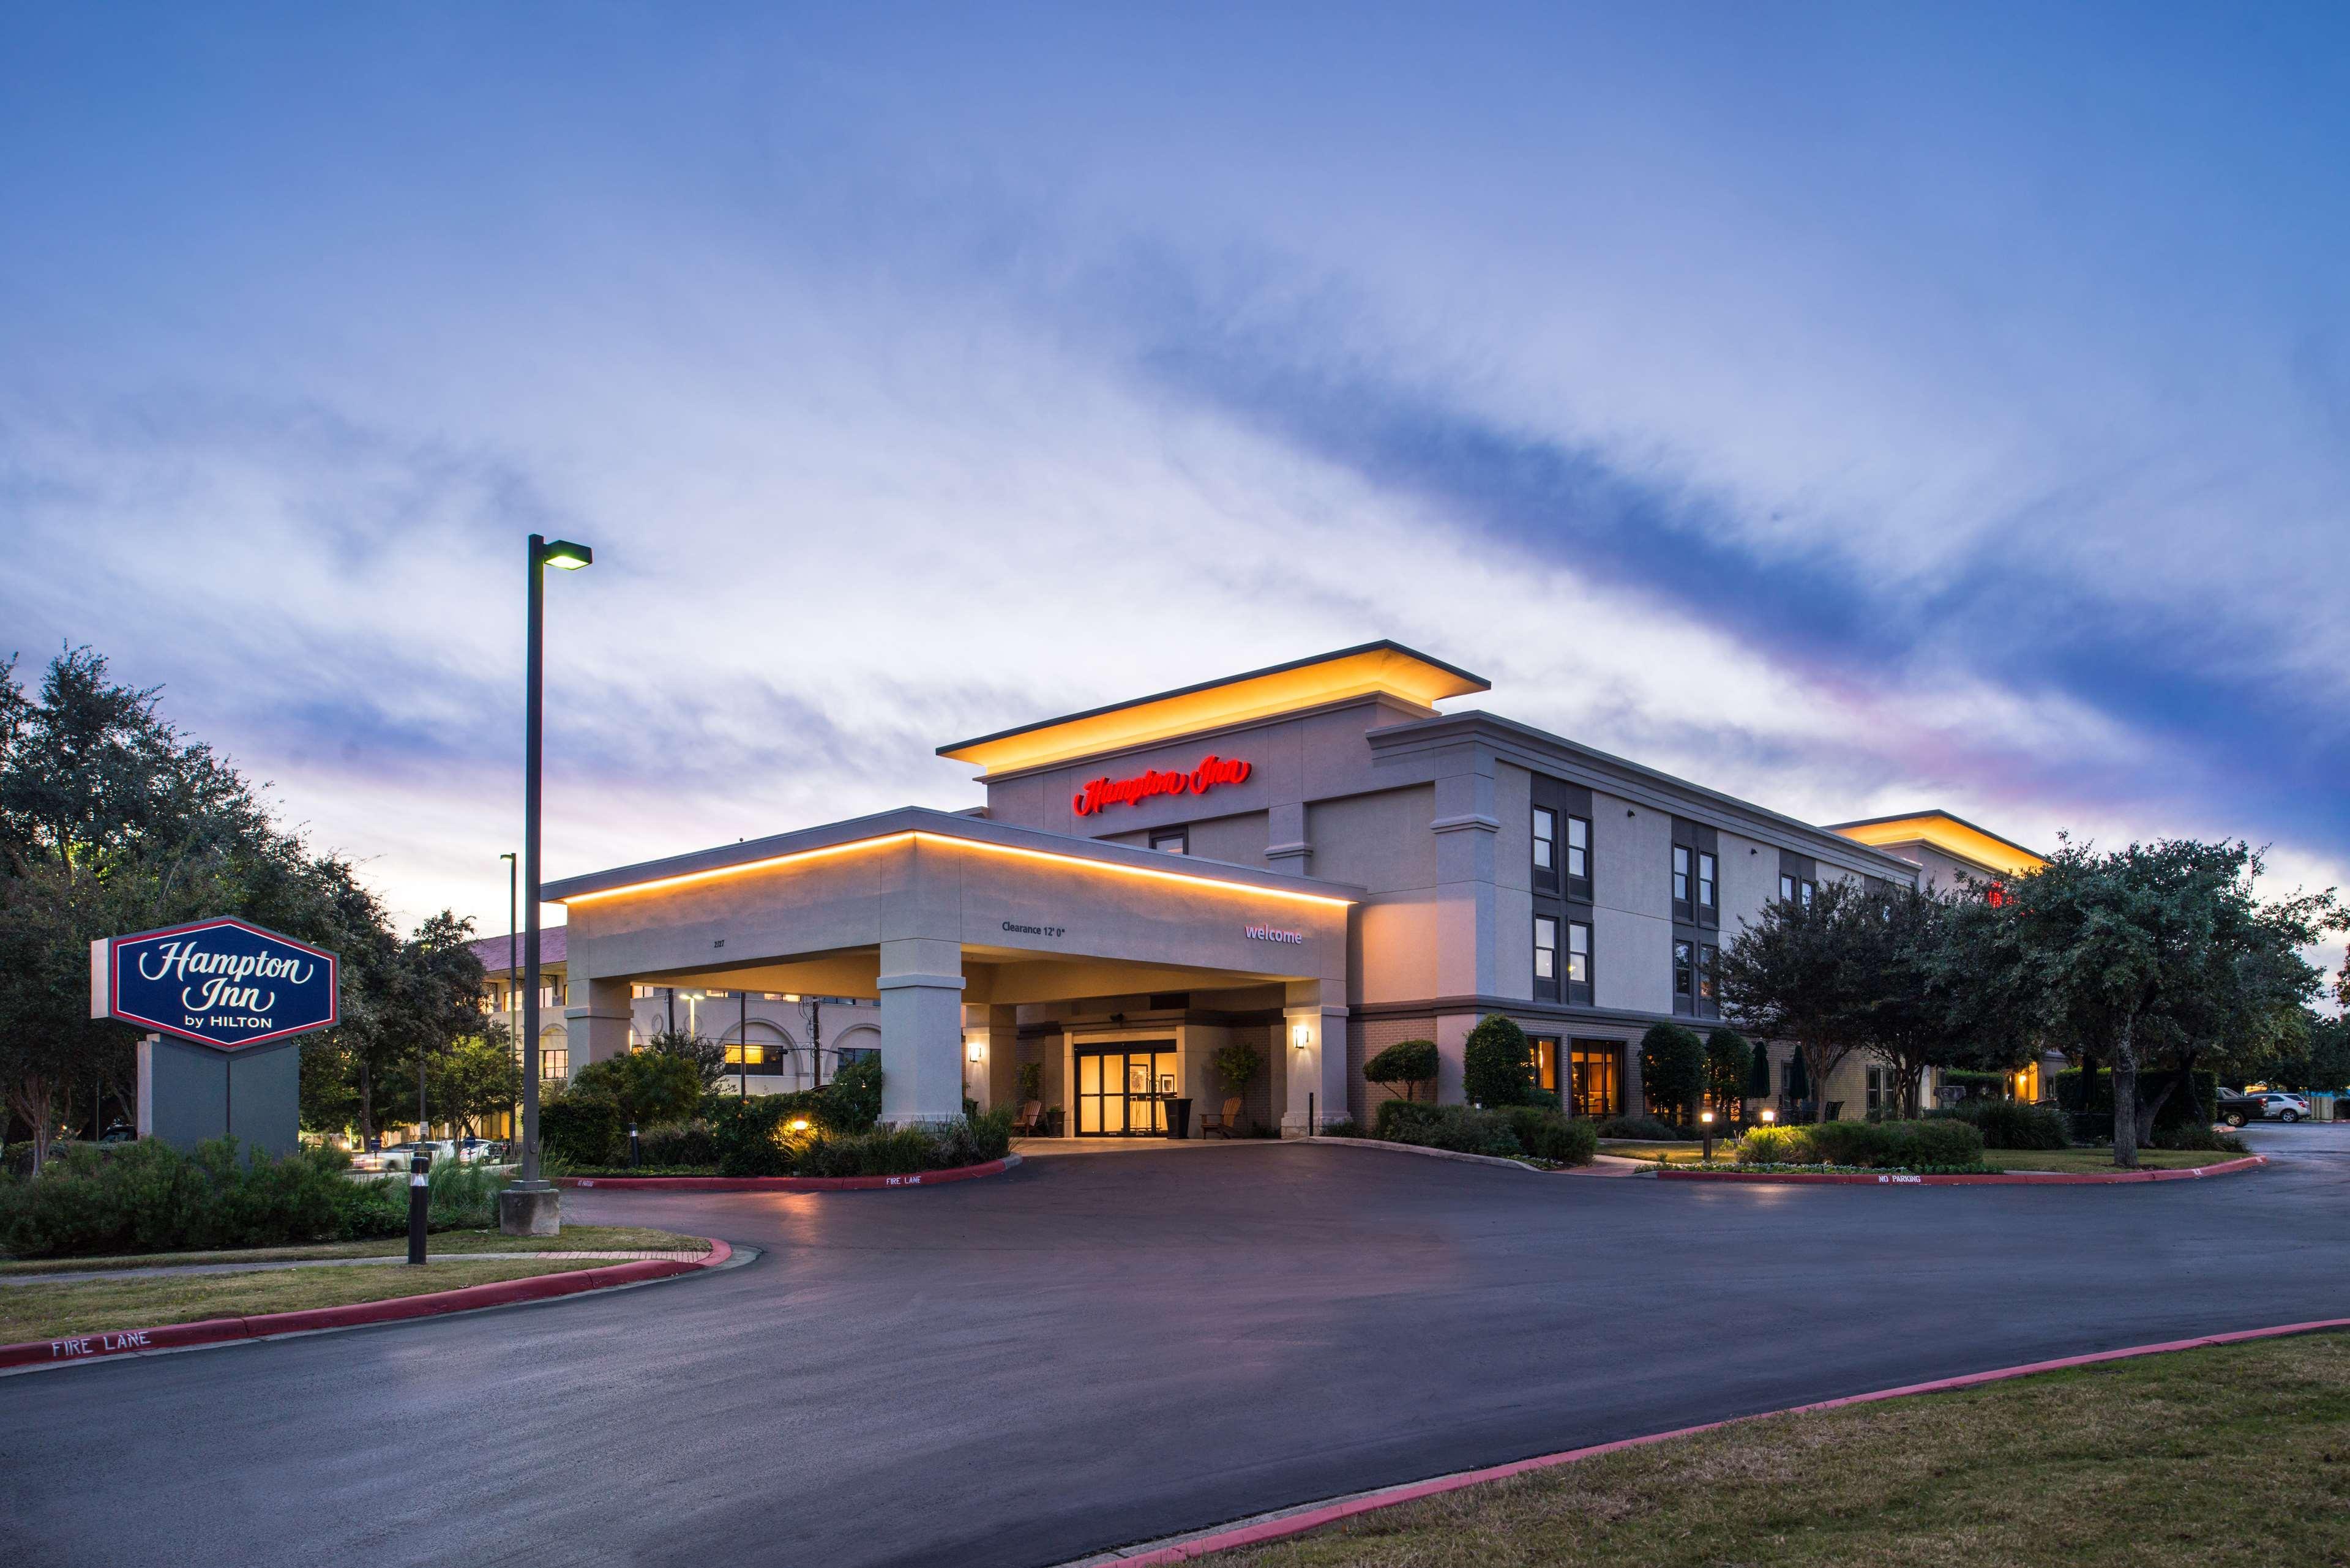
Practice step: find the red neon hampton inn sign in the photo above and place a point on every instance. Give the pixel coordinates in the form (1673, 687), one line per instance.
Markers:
(1213, 770)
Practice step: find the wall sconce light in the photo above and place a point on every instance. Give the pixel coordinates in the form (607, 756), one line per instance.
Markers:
(1302, 1037)
(978, 1051)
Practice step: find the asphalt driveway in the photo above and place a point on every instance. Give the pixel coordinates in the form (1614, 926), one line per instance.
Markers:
(1101, 1349)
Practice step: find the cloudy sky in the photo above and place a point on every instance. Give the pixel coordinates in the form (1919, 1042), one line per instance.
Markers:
(1847, 407)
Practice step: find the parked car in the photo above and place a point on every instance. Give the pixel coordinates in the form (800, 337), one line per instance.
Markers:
(2283, 1107)
(474, 1150)
(402, 1156)
(2236, 1109)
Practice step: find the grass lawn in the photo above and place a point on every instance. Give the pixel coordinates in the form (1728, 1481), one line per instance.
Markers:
(2099, 1158)
(91, 1306)
(2206, 1457)
(574, 1238)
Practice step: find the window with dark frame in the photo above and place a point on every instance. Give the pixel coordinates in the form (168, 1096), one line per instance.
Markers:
(1595, 1076)
(1683, 975)
(1680, 874)
(1578, 846)
(1546, 1062)
(1171, 840)
(1545, 948)
(1804, 892)
(1578, 960)
(1545, 838)
(1705, 881)
(1786, 889)
(1708, 991)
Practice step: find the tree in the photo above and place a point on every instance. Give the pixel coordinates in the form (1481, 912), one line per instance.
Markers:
(1237, 1064)
(1497, 1063)
(2159, 953)
(477, 1078)
(110, 822)
(1672, 1070)
(648, 1089)
(707, 1056)
(435, 999)
(1791, 976)
(1410, 1063)
(1728, 1071)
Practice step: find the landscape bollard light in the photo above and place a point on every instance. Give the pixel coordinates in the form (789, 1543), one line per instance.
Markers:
(420, 1201)
(1705, 1120)
(635, 1148)
(1769, 1116)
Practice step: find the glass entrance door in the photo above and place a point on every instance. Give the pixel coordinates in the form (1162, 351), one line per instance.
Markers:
(1122, 1090)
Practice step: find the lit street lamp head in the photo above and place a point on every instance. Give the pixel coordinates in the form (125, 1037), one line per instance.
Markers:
(562, 552)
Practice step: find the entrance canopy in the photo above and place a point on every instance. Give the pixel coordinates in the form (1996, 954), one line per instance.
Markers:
(931, 911)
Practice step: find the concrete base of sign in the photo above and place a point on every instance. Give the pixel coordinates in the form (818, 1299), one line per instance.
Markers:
(189, 1093)
(535, 1210)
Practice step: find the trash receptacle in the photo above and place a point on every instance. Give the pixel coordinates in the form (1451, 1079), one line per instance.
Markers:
(1178, 1117)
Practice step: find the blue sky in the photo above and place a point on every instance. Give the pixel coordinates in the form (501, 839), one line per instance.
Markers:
(1852, 407)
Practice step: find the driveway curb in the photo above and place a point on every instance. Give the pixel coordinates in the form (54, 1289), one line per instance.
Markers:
(787, 1183)
(433, 1303)
(1317, 1516)
(1983, 1178)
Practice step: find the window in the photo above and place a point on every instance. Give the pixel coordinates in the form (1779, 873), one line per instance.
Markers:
(1578, 846)
(1546, 1062)
(1578, 956)
(734, 1053)
(1786, 889)
(1171, 840)
(554, 1064)
(1545, 838)
(1705, 881)
(1881, 1092)
(1684, 970)
(1545, 948)
(1680, 874)
(1805, 891)
(644, 992)
(1709, 995)
(1595, 1077)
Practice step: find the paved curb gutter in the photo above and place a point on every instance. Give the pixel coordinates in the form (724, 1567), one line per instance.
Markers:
(433, 1303)
(1985, 1179)
(1317, 1516)
(785, 1183)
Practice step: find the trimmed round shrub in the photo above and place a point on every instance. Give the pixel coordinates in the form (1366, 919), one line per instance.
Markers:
(1936, 1143)
(1672, 1069)
(581, 1129)
(2009, 1124)
(1497, 1063)
(1408, 1063)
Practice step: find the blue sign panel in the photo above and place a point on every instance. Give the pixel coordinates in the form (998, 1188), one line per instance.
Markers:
(221, 983)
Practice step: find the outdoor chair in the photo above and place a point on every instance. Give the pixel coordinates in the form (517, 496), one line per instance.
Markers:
(1224, 1124)
(1031, 1120)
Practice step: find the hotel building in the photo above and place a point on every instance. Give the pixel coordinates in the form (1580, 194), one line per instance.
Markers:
(1313, 861)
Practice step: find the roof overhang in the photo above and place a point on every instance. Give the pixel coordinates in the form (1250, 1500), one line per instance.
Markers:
(1954, 836)
(1383, 668)
(912, 825)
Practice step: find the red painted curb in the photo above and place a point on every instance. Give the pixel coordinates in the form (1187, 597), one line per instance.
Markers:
(1980, 1178)
(781, 1183)
(1313, 1518)
(433, 1303)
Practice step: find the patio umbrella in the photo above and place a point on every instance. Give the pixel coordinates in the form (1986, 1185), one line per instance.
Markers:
(1799, 1082)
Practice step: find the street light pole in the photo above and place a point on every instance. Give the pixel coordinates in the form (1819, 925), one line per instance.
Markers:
(529, 1206)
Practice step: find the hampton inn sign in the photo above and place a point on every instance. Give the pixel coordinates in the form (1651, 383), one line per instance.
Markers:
(1311, 860)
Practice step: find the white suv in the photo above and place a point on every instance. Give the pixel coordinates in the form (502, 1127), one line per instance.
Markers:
(2283, 1107)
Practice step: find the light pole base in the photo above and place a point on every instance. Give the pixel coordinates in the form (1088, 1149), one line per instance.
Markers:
(535, 1210)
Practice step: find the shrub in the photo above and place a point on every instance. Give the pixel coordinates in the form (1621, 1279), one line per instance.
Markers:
(1237, 1064)
(581, 1129)
(1729, 1063)
(1672, 1069)
(648, 1089)
(1944, 1141)
(1461, 1128)
(1032, 1081)
(851, 1103)
(1644, 1128)
(1546, 1135)
(1854, 1143)
(1342, 1129)
(147, 1196)
(745, 1135)
(1409, 1062)
(1497, 1063)
(1774, 1146)
(681, 1146)
(2008, 1124)
(1975, 1084)
(904, 1151)
(2196, 1136)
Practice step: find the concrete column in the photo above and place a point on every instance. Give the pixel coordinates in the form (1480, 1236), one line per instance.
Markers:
(1467, 938)
(1451, 1051)
(1313, 1048)
(922, 1030)
(597, 1022)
